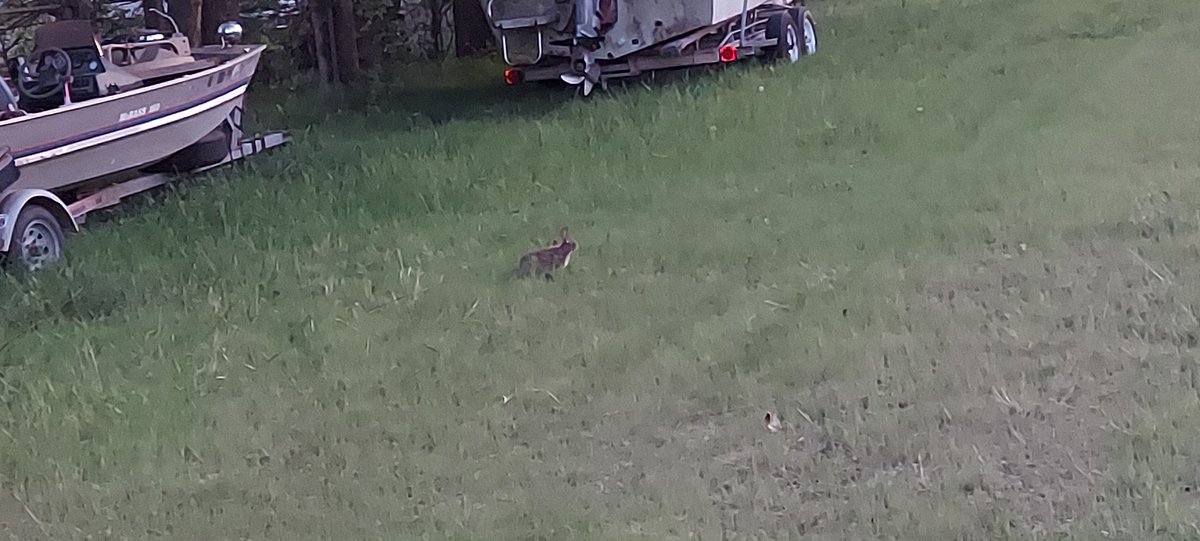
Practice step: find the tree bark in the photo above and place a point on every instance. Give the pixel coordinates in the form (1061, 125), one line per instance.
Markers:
(181, 11)
(154, 20)
(345, 39)
(472, 34)
(215, 13)
(77, 9)
(435, 27)
(193, 30)
(319, 16)
(370, 49)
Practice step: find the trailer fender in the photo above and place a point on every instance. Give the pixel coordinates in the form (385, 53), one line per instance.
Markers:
(13, 203)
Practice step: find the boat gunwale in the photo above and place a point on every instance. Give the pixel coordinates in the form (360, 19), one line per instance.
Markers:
(27, 156)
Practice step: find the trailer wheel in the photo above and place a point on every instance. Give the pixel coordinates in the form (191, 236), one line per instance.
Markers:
(810, 34)
(789, 48)
(38, 239)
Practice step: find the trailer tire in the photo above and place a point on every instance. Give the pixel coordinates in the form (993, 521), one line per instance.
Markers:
(38, 239)
(790, 46)
(808, 29)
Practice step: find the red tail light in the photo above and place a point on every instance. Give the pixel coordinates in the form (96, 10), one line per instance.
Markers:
(513, 77)
(728, 53)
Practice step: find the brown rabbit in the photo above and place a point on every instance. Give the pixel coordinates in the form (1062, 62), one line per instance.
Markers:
(545, 261)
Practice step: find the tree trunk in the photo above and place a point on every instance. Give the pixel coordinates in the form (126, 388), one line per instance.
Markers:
(370, 49)
(345, 39)
(181, 11)
(154, 20)
(196, 15)
(319, 13)
(77, 9)
(435, 28)
(472, 34)
(215, 13)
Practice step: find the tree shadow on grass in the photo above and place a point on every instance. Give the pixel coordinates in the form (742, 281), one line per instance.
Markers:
(455, 93)
(404, 101)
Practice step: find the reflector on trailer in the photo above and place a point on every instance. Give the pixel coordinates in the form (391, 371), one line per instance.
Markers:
(728, 53)
(513, 77)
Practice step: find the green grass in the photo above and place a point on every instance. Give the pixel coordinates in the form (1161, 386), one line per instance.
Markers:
(933, 250)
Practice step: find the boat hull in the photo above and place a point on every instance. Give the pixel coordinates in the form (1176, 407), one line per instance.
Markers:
(84, 142)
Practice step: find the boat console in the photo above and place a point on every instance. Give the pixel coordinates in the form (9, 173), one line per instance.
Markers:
(69, 65)
(64, 65)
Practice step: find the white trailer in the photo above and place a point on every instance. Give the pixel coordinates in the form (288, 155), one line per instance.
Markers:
(588, 42)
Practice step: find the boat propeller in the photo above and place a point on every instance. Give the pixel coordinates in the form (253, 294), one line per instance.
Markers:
(586, 72)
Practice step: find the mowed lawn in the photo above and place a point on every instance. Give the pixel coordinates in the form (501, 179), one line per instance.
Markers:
(955, 253)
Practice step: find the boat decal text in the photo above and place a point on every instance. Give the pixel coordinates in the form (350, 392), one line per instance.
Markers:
(140, 112)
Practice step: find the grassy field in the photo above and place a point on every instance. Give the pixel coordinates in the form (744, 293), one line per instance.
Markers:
(954, 252)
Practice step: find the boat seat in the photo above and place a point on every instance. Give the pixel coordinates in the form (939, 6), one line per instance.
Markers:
(68, 34)
(155, 60)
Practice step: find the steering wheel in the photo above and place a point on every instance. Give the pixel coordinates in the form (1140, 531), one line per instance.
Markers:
(53, 71)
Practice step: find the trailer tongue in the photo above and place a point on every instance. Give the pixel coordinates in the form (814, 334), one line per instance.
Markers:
(586, 42)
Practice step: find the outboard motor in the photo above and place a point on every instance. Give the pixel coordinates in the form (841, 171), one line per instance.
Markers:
(593, 18)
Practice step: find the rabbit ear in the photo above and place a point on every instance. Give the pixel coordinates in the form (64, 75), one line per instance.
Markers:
(564, 234)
